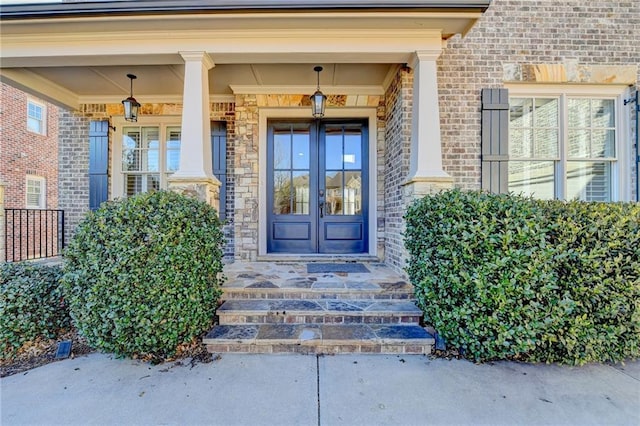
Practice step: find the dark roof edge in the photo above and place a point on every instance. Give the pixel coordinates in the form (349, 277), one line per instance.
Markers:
(88, 8)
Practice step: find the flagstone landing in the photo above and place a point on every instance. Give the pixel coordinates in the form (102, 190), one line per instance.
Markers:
(274, 307)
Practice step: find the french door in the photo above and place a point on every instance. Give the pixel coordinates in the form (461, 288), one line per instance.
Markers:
(317, 180)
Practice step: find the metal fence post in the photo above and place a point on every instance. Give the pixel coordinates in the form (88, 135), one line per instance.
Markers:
(3, 256)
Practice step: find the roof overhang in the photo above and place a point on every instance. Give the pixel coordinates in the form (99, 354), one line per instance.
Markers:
(74, 53)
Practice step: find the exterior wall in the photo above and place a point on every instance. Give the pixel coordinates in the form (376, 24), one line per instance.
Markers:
(26, 153)
(575, 37)
(398, 104)
(246, 165)
(73, 157)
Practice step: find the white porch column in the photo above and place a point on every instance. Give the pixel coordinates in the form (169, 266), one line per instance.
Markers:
(194, 175)
(426, 174)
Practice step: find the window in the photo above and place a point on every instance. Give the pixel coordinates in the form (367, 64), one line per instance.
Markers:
(150, 154)
(36, 191)
(563, 147)
(36, 117)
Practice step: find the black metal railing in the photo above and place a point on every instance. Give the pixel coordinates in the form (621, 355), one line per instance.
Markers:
(33, 234)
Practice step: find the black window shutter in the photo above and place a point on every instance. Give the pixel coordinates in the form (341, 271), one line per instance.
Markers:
(219, 157)
(98, 163)
(495, 140)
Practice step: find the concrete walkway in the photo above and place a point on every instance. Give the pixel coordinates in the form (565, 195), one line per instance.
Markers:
(327, 390)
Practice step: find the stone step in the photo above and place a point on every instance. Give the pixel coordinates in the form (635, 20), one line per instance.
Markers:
(307, 288)
(324, 311)
(319, 339)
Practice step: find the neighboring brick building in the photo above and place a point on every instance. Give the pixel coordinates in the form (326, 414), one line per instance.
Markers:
(530, 99)
(28, 150)
(29, 171)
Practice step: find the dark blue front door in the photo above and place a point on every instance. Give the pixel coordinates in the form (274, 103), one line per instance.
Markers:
(317, 180)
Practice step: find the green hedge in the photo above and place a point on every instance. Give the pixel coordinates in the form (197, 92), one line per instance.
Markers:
(143, 275)
(31, 305)
(506, 277)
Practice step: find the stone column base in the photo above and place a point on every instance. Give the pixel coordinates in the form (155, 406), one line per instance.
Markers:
(418, 187)
(204, 189)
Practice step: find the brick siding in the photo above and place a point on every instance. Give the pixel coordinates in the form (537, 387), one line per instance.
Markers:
(524, 32)
(24, 152)
(398, 106)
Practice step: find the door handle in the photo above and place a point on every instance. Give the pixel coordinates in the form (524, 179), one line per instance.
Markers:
(321, 202)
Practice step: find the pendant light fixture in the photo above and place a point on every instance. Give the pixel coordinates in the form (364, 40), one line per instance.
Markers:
(131, 106)
(318, 99)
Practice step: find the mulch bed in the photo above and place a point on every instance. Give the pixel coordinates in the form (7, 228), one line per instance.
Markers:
(42, 351)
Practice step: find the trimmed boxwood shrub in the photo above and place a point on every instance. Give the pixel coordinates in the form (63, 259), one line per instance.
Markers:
(31, 304)
(502, 276)
(143, 274)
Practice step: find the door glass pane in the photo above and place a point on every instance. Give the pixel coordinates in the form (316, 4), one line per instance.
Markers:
(301, 192)
(333, 193)
(352, 149)
(282, 149)
(333, 148)
(281, 192)
(352, 195)
(589, 181)
(301, 149)
(602, 111)
(532, 178)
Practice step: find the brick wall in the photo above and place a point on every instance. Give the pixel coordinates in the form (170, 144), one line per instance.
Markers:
(397, 156)
(73, 157)
(23, 152)
(512, 34)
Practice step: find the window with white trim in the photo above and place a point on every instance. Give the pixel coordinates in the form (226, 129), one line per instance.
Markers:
(36, 117)
(36, 192)
(563, 147)
(150, 154)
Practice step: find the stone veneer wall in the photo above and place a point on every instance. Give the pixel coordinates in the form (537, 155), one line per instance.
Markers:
(398, 104)
(588, 41)
(73, 158)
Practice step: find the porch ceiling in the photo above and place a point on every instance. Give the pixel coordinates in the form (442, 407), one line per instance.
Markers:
(75, 60)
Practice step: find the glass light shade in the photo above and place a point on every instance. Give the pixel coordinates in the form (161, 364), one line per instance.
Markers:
(318, 102)
(131, 107)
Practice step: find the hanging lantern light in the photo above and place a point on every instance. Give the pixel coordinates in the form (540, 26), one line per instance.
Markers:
(318, 99)
(131, 106)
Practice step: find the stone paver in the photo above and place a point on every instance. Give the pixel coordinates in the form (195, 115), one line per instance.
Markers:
(291, 310)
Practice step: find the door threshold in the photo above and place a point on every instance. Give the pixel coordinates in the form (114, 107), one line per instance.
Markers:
(292, 257)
